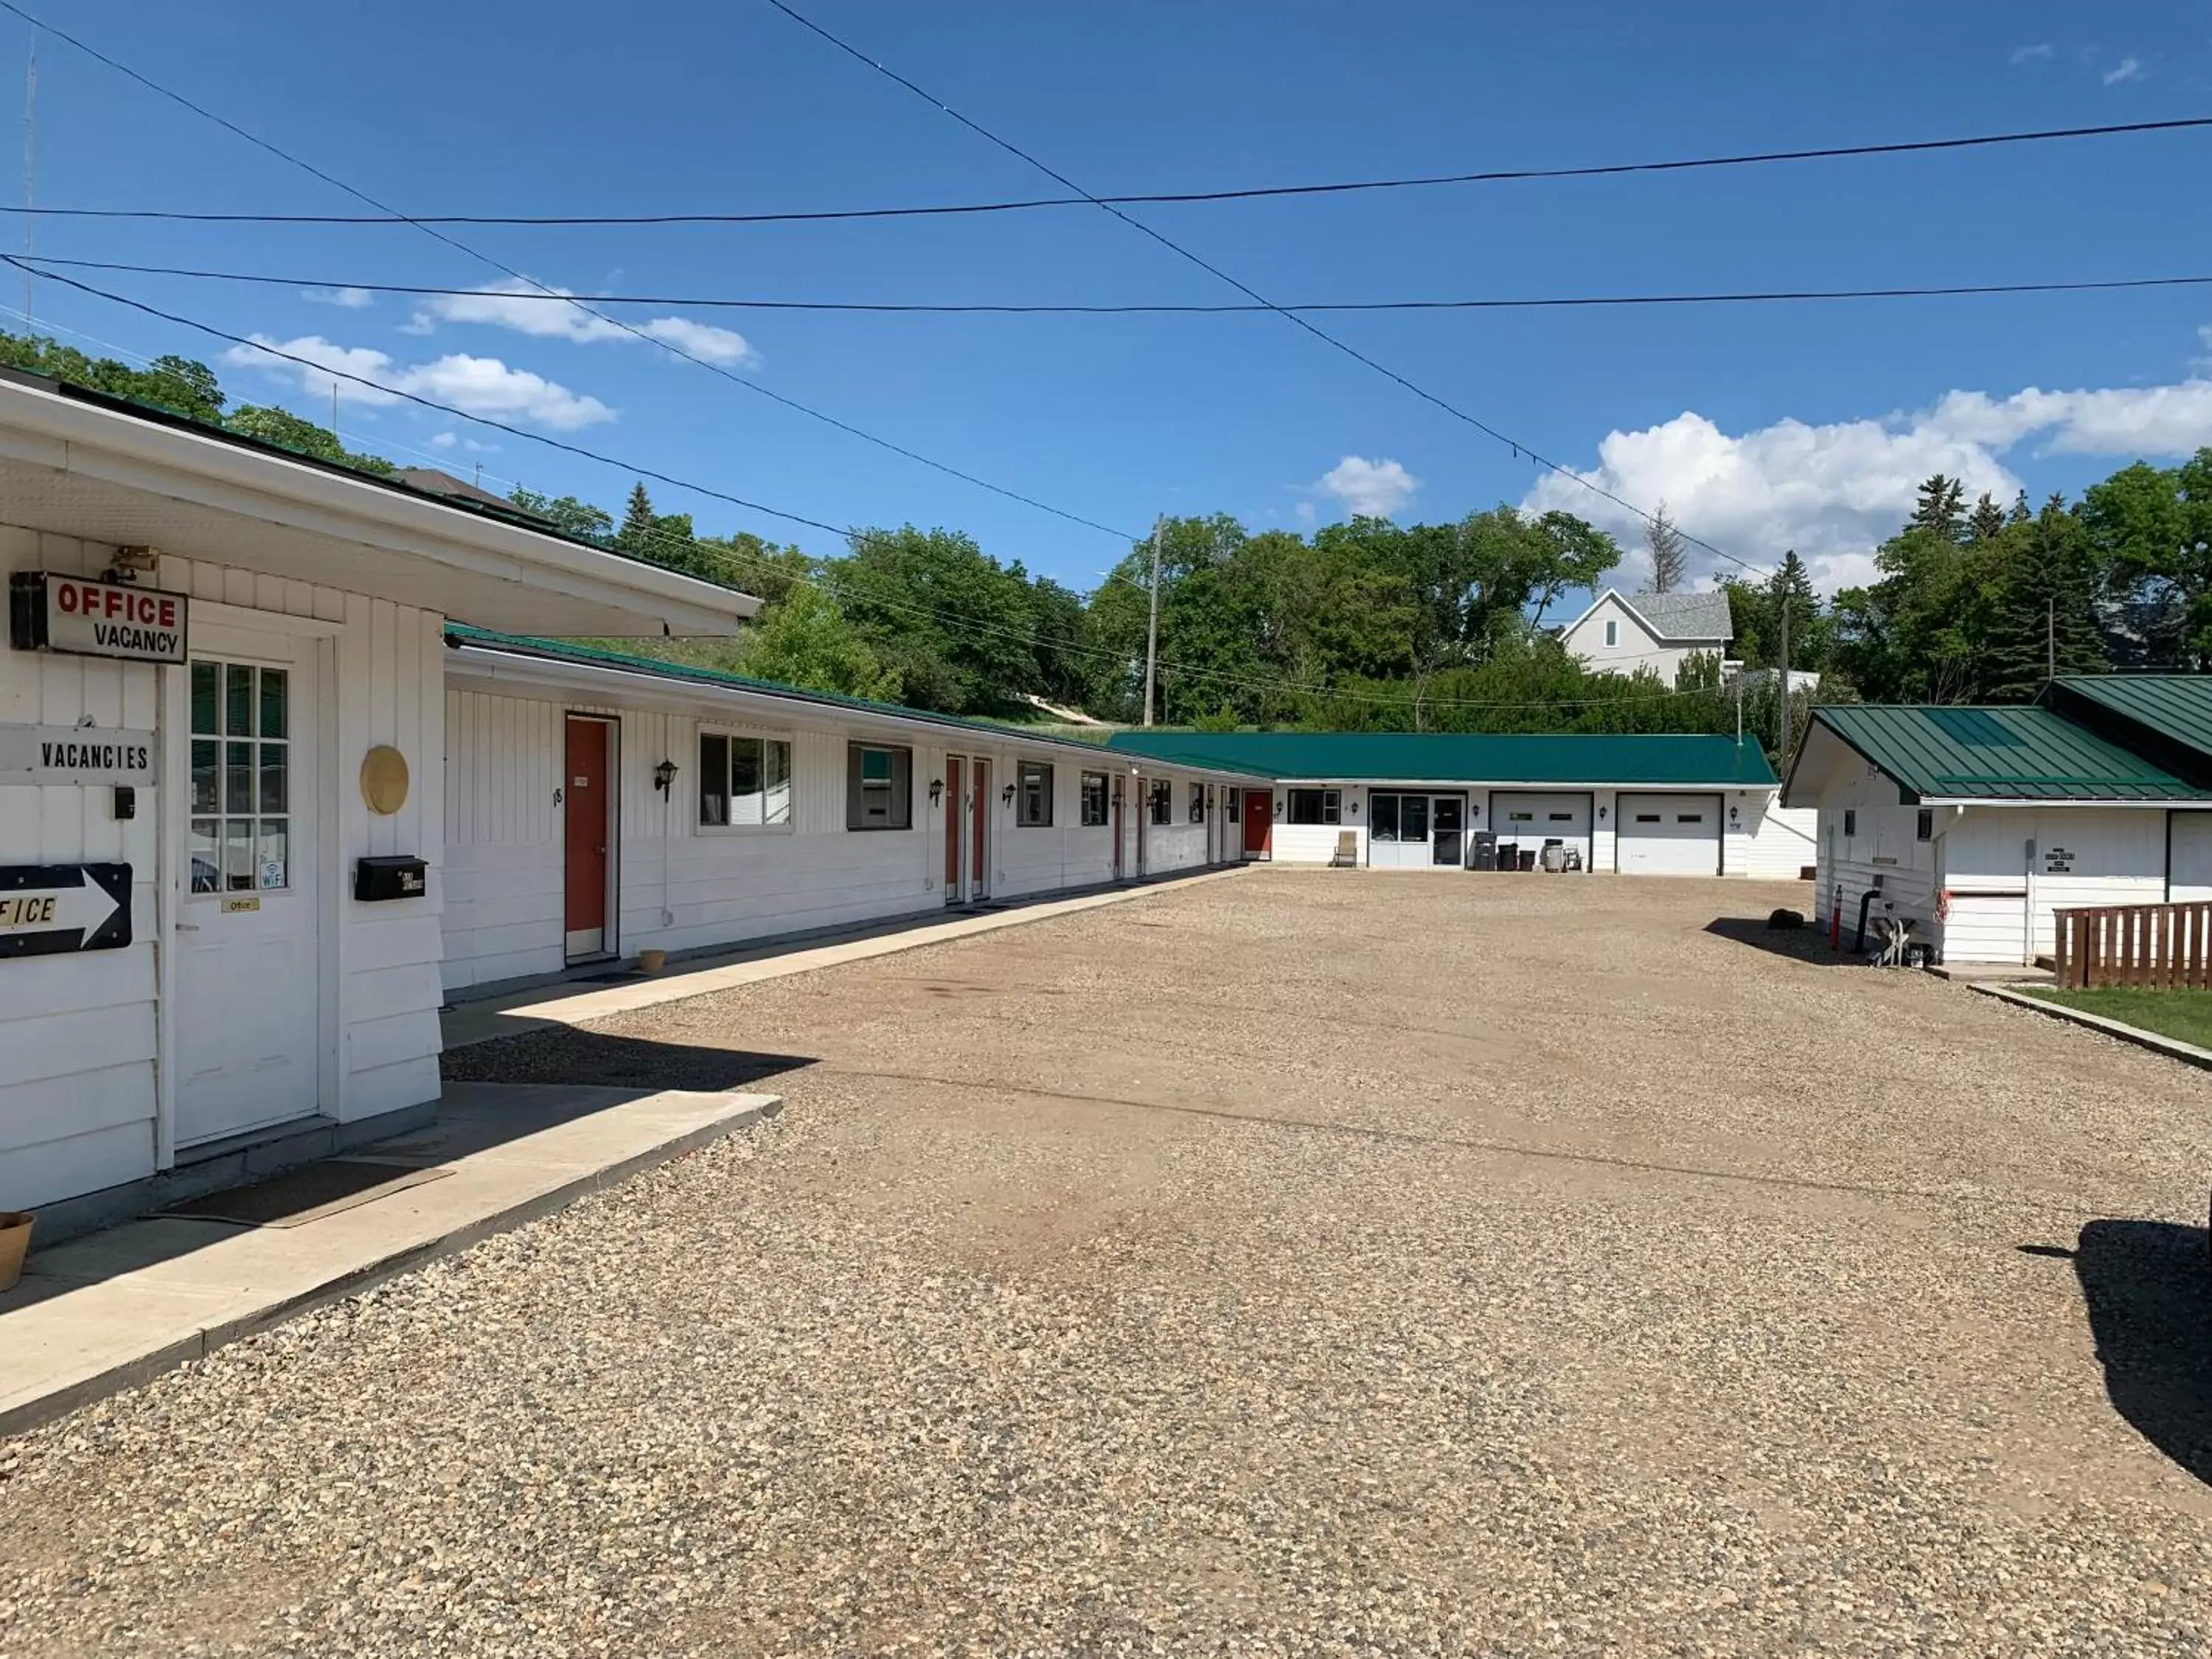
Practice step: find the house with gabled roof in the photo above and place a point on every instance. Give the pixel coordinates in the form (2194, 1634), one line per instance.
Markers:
(1976, 825)
(1619, 633)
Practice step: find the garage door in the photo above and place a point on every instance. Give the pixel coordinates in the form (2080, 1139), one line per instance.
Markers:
(1670, 835)
(1528, 819)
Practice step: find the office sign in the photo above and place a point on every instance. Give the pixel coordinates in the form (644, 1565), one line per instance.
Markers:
(50, 909)
(76, 754)
(50, 612)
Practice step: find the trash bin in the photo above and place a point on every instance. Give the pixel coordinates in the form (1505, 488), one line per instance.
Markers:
(1527, 857)
(1554, 857)
(1482, 851)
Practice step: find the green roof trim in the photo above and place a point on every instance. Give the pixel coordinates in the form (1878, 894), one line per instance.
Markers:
(593, 656)
(1562, 758)
(1996, 754)
(2175, 707)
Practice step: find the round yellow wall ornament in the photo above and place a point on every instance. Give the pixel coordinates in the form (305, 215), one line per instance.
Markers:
(384, 780)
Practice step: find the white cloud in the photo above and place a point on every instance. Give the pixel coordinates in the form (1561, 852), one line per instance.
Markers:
(2040, 52)
(2128, 69)
(444, 439)
(545, 312)
(1305, 512)
(1834, 492)
(353, 299)
(1372, 489)
(478, 385)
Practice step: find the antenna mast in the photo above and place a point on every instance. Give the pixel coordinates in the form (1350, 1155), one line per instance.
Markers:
(30, 167)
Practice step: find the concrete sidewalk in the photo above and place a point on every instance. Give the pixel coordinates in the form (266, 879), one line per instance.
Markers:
(110, 1310)
(543, 1006)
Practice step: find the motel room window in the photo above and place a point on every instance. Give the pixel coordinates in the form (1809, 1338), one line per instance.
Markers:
(878, 786)
(1033, 796)
(1161, 801)
(1923, 825)
(1197, 803)
(1850, 821)
(1317, 806)
(1382, 817)
(1612, 630)
(241, 765)
(744, 782)
(1094, 799)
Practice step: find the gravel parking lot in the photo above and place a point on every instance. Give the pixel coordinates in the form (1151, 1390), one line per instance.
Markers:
(1306, 1262)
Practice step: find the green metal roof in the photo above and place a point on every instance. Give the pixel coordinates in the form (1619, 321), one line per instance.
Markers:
(1938, 753)
(1567, 758)
(2178, 706)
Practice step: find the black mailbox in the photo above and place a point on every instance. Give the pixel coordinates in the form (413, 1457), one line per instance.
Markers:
(389, 877)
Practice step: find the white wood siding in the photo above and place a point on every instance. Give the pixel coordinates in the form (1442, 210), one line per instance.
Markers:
(79, 1034)
(2117, 855)
(1767, 841)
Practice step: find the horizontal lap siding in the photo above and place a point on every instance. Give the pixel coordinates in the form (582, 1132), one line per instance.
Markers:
(1041, 857)
(2118, 857)
(1769, 840)
(502, 905)
(76, 1032)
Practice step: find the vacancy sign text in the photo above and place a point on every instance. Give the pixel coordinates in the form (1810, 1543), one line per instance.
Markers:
(52, 612)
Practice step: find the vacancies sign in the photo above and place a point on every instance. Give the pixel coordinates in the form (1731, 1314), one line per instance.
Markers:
(50, 612)
(47, 909)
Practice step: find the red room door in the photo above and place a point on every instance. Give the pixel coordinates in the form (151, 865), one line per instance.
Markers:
(1259, 821)
(587, 813)
(956, 799)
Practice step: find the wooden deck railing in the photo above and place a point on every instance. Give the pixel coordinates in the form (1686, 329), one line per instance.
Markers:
(2159, 947)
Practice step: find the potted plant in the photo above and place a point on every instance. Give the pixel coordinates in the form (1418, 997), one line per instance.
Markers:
(15, 1245)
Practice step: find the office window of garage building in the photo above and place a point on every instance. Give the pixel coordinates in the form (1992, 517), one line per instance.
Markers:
(1197, 803)
(744, 782)
(878, 786)
(1033, 796)
(1317, 806)
(1163, 801)
(1094, 799)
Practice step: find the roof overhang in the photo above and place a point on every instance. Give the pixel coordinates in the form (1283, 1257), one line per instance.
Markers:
(1574, 786)
(511, 671)
(84, 469)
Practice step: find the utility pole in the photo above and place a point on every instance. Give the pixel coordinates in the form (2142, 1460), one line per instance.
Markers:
(1153, 628)
(334, 414)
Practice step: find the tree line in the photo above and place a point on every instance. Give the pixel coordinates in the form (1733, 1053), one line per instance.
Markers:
(1375, 625)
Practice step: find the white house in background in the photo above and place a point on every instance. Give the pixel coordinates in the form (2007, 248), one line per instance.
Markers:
(597, 803)
(222, 733)
(1641, 805)
(1621, 634)
(1976, 825)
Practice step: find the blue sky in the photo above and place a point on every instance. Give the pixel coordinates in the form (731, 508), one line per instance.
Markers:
(1762, 426)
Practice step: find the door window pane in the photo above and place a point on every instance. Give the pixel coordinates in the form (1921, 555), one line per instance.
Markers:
(238, 701)
(207, 698)
(274, 721)
(1382, 817)
(1413, 818)
(207, 855)
(275, 795)
(274, 866)
(207, 792)
(238, 777)
(238, 855)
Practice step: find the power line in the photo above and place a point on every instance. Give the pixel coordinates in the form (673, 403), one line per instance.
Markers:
(702, 302)
(1612, 169)
(846, 533)
(1246, 290)
(430, 229)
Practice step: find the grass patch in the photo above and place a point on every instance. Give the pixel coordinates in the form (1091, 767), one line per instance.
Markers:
(2186, 1015)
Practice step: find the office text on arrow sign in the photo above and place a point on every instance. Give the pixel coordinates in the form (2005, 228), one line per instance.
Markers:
(46, 909)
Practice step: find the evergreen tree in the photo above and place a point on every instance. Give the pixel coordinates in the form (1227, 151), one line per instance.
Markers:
(1789, 595)
(1941, 507)
(1670, 559)
(637, 538)
(1987, 521)
(2044, 609)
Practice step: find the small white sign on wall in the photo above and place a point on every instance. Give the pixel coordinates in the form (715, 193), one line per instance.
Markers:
(76, 754)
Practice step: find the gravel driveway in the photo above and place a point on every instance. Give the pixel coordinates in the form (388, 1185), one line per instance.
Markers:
(1307, 1262)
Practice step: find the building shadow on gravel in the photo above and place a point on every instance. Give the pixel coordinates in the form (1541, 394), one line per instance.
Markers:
(2150, 1298)
(601, 1058)
(1806, 944)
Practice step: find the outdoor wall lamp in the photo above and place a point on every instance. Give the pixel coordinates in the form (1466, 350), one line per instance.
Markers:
(1735, 812)
(663, 775)
(1007, 795)
(936, 791)
(1600, 814)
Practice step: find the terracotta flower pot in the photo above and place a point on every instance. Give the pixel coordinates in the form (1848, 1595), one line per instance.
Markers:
(15, 1245)
(651, 961)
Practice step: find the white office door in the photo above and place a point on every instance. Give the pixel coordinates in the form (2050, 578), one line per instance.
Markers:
(1669, 835)
(245, 996)
(2188, 857)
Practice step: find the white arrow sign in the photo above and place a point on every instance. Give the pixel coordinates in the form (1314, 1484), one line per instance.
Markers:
(48, 909)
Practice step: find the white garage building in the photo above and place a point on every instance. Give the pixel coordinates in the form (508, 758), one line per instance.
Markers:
(1977, 825)
(1669, 804)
